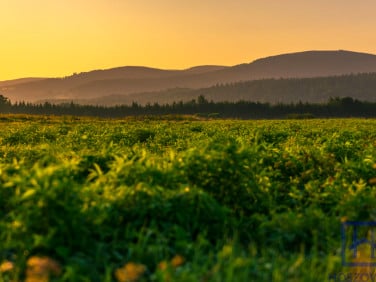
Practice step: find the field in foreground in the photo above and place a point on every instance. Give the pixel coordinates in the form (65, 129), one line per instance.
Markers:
(131, 200)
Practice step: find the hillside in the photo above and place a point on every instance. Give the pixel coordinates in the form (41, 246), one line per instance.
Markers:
(285, 90)
(8, 83)
(126, 84)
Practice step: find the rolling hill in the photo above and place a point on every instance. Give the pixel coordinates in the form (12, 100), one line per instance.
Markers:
(132, 83)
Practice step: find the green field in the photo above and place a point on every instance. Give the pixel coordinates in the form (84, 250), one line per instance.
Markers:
(180, 199)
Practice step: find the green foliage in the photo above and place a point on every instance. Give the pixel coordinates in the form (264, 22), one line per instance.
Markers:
(239, 200)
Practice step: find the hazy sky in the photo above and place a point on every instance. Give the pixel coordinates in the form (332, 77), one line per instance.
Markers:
(59, 37)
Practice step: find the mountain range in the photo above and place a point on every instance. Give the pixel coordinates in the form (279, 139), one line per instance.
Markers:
(142, 84)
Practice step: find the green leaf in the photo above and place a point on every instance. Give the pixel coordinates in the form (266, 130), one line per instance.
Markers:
(29, 193)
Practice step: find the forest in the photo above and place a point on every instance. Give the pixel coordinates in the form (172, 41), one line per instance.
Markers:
(335, 107)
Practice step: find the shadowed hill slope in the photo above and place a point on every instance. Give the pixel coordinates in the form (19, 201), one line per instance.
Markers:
(287, 90)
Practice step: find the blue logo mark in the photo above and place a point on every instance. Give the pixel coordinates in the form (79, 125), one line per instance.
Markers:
(356, 235)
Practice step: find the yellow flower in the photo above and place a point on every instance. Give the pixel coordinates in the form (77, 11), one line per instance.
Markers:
(372, 181)
(163, 265)
(130, 272)
(344, 218)
(37, 278)
(6, 266)
(16, 224)
(374, 166)
(177, 261)
(39, 269)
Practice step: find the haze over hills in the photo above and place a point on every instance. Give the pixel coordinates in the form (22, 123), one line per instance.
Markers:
(123, 84)
(18, 81)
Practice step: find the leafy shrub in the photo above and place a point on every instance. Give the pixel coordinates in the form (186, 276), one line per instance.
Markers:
(240, 200)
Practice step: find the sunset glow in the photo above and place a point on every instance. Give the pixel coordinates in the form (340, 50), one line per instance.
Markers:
(49, 38)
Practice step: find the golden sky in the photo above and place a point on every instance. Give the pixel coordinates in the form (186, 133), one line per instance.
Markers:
(52, 38)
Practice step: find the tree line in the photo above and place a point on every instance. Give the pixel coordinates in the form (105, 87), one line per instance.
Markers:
(284, 90)
(335, 107)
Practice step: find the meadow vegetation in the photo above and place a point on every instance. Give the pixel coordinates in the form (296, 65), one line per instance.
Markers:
(85, 199)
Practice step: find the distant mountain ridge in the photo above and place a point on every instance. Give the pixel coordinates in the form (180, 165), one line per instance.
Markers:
(19, 81)
(132, 80)
(316, 63)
